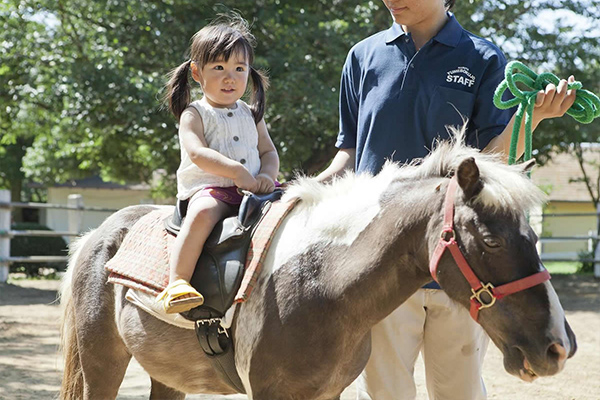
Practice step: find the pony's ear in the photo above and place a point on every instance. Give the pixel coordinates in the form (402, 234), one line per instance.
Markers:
(467, 175)
(527, 165)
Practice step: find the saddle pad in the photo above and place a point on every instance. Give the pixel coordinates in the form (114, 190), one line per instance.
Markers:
(142, 261)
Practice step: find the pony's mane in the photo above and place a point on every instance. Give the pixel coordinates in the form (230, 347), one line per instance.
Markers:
(506, 187)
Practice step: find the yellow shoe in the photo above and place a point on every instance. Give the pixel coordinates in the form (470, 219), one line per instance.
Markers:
(172, 301)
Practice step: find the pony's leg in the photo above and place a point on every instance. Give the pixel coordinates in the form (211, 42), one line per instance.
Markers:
(103, 354)
(103, 372)
(160, 392)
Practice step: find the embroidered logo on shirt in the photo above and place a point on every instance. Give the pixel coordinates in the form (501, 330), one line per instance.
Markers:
(460, 75)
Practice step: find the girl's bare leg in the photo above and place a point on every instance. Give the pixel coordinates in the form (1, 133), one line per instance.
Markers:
(202, 216)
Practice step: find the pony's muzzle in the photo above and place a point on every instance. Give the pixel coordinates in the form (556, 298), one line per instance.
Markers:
(556, 358)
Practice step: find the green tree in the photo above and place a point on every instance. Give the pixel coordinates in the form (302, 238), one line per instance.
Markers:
(26, 91)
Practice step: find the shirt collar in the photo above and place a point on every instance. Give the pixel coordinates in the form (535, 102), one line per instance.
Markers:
(449, 35)
(394, 33)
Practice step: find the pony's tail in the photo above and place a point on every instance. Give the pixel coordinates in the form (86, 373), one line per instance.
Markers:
(72, 382)
(177, 89)
(260, 84)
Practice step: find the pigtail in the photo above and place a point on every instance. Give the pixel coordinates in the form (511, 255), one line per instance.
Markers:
(258, 102)
(177, 89)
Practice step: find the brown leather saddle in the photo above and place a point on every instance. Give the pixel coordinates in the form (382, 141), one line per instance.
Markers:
(220, 268)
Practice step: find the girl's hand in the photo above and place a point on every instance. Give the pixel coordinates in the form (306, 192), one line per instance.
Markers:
(244, 180)
(265, 183)
(554, 101)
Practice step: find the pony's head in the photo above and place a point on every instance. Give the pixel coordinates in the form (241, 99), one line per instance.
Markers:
(504, 283)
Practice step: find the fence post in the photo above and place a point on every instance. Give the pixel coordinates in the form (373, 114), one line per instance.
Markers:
(4, 240)
(75, 216)
(536, 221)
(597, 251)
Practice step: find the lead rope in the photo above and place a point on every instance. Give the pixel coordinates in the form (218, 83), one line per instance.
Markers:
(584, 110)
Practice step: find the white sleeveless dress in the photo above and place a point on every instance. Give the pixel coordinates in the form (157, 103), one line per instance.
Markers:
(231, 132)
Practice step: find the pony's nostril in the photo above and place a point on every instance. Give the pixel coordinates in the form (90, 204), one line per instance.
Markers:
(557, 351)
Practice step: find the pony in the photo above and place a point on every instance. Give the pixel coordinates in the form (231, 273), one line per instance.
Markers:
(344, 258)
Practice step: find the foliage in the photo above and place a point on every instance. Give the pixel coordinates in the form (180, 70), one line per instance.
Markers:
(81, 79)
(585, 266)
(24, 246)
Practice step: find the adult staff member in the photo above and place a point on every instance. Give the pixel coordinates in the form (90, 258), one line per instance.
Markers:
(400, 88)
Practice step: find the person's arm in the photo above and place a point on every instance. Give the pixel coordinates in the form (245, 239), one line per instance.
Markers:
(191, 131)
(343, 161)
(553, 102)
(269, 160)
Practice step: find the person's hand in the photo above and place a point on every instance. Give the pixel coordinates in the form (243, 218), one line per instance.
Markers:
(554, 101)
(245, 181)
(265, 183)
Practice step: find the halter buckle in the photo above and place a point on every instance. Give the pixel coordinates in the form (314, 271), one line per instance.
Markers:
(487, 289)
(447, 235)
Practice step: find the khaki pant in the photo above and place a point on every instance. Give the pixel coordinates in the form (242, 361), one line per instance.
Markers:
(452, 344)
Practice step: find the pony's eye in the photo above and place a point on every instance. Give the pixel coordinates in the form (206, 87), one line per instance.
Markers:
(492, 241)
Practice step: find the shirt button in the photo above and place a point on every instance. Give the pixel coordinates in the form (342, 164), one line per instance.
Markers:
(412, 65)
(243, 161)
(235, 138)
(406, 40)
(230, 114)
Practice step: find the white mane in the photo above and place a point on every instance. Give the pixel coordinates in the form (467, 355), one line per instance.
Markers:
(505, 187)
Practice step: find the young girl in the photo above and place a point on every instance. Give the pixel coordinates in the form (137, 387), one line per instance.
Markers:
(224, 144)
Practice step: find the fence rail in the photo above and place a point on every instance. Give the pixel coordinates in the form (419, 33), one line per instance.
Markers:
(36, 233)
(76, 207)
(36, 259)
(567, 238)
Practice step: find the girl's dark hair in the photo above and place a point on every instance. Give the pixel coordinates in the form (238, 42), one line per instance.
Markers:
(449, 4)
(219, 40)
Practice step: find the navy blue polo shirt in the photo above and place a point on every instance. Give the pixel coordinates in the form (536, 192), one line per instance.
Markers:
(395, 101)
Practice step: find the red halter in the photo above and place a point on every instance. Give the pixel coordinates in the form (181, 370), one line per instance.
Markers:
(448, 241)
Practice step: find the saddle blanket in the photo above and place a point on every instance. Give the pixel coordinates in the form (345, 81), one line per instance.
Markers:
(142, 261)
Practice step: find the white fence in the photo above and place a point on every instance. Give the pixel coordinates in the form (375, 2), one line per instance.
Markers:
(75, 209)
(591, 238)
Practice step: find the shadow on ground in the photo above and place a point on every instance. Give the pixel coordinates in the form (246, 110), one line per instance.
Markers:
(16, 295)
(577, 292)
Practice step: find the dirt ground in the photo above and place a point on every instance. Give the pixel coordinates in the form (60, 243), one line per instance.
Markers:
(30, 366)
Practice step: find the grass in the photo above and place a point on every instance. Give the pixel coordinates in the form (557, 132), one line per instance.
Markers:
(44, 273)
(562, 267)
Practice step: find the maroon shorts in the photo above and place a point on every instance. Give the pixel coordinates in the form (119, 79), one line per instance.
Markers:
(229, 195)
